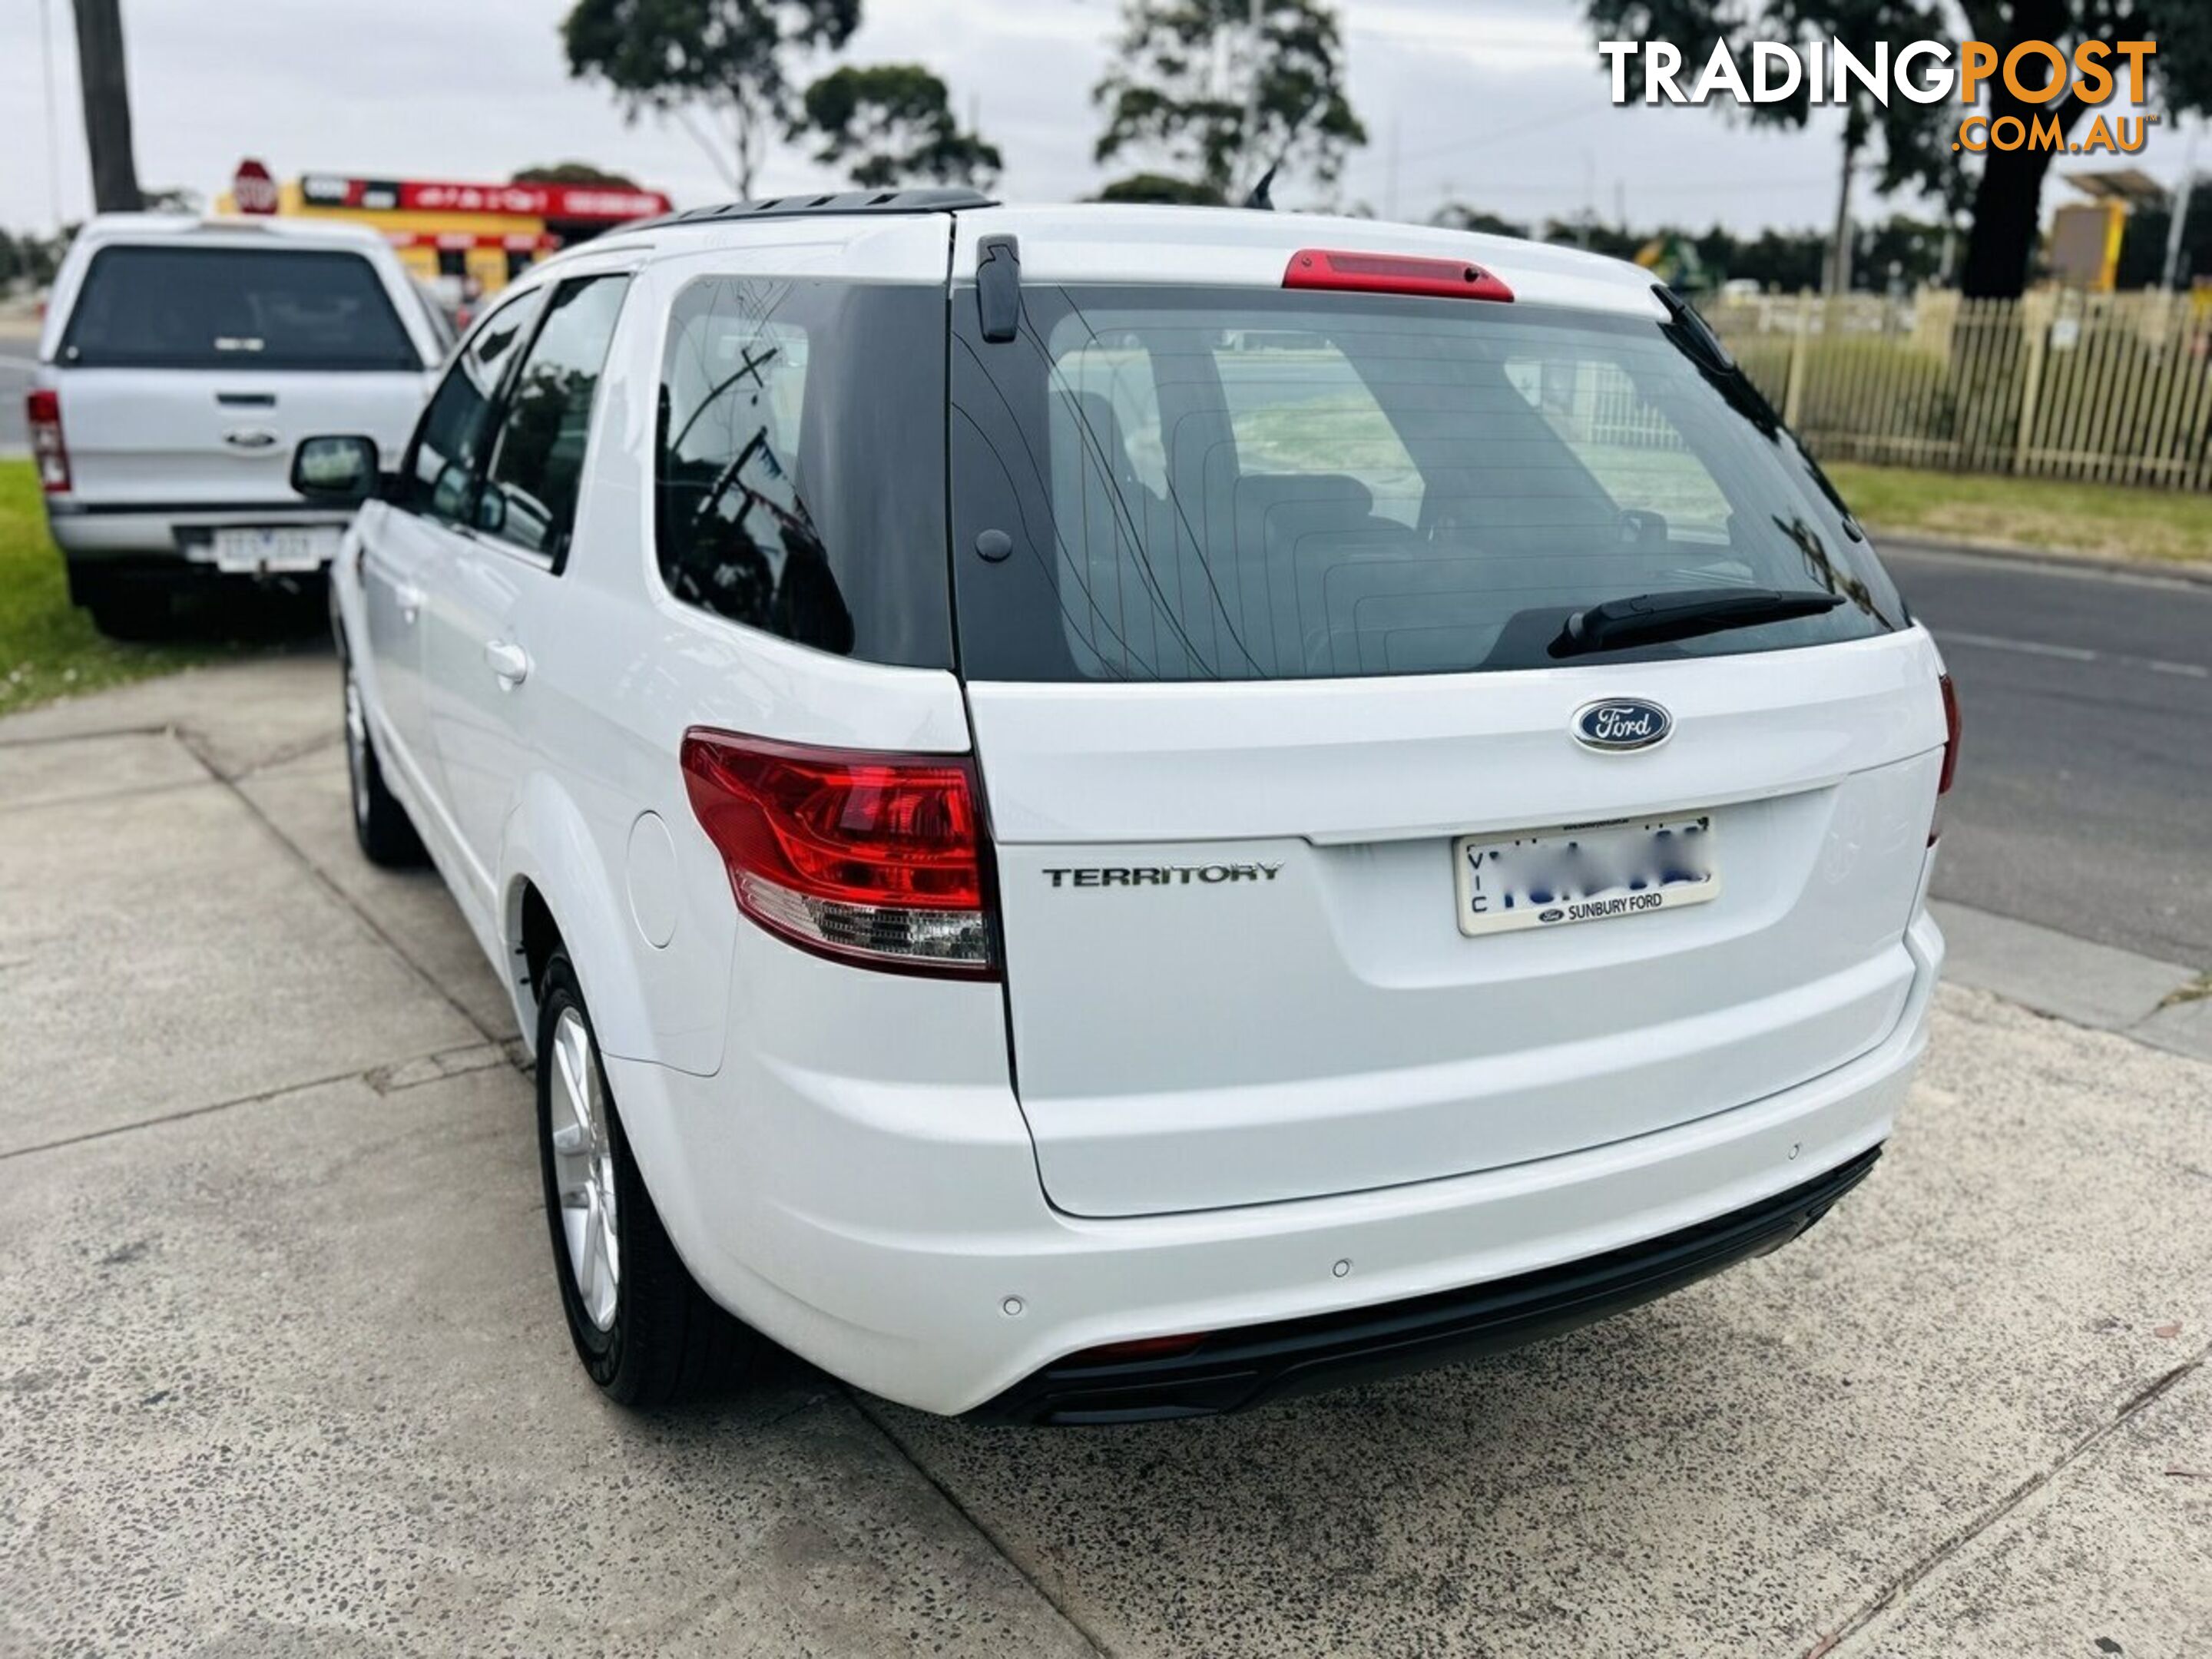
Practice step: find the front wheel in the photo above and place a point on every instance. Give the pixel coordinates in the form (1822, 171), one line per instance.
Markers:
(644, 1329)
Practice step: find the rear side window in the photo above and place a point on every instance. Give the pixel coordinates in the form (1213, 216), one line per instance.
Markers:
(799, 483)
(235, 308)
(1244, 485)
(530, 488)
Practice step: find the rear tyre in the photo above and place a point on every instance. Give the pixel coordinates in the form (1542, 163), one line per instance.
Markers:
(137, 613)
(380, 823)
(644, 1329)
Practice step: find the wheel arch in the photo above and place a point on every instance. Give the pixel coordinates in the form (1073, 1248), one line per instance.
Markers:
(558, 890)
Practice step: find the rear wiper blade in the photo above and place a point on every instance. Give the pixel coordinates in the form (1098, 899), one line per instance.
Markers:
(1655, 619)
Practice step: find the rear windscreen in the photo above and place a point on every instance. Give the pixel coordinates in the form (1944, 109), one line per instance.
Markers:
(210, 307)
(1238, 485)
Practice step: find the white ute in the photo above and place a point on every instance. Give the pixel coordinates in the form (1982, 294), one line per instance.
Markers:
(1105, 813)
(181, 361)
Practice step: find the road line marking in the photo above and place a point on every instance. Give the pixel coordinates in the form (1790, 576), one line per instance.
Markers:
(2033, 647)
(2071, 654)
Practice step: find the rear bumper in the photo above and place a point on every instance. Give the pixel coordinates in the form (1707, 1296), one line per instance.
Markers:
(161, 536)
(895, 1234)
(1246, 1367)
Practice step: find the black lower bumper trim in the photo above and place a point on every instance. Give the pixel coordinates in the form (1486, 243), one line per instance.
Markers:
(1236, 1369)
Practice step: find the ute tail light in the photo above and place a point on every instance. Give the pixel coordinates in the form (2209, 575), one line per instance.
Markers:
(44, 411)
(1392, 273)
(870, 859)
(1950, 754)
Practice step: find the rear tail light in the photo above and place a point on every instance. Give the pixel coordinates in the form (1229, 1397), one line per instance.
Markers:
(1950, 754)
(44, 411)
(1392, 273)
(872, 858)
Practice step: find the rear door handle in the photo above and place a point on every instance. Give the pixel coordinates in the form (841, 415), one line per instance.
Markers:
(509, 661)
(408, 599)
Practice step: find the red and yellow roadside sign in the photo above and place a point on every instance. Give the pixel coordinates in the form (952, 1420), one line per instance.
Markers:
(472, 238)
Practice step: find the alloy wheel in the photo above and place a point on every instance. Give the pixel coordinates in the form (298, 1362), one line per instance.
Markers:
(584, 1168)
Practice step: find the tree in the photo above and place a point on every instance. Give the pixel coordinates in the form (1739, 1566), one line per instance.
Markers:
(107, 93)
(731, 57)
(1458, 216)
(1161, 188)
(892, 123)
(172, 198)
(575, 173)
(1904, 254)
(1786, 261)
(1189, 78)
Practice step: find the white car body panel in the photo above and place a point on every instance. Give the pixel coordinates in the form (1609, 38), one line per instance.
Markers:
(1185, 1103)
(871, 1202)
(1192, 1045)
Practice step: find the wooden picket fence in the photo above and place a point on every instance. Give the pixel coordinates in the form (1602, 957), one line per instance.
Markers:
(2109, 387)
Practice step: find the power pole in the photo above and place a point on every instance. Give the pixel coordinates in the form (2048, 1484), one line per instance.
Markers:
(107, 106)
(2178, 222)
(1839, 245)
(1249, 163)
(1390, 179)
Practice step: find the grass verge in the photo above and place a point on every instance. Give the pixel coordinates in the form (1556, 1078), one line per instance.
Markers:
(48, 648)
(2111, 521)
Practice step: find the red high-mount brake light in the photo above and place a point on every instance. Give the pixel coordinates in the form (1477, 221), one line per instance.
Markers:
(43, 409)
(871, 859)
(1392, 273)
(1950, 754)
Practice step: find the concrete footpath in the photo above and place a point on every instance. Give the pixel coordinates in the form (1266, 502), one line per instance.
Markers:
(286, 1373)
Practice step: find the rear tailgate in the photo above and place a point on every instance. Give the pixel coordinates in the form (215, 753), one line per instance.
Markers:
(1233, 965)
(1273, 605)
(188, 367)
(203, 440)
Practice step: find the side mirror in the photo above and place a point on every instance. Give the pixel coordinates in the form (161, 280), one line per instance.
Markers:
(335, 471)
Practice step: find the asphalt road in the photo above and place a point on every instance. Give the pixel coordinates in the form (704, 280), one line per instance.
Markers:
(18, 354)
(2084, 799)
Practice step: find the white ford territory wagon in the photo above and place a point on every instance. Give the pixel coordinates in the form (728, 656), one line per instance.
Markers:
(1106, 813)
(182, 360)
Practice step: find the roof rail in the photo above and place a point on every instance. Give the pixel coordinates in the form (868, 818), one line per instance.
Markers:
(841, 202)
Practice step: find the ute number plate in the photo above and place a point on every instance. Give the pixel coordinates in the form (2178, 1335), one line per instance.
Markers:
(273, 548)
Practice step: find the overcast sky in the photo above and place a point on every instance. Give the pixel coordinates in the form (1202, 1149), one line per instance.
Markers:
(1501, 103)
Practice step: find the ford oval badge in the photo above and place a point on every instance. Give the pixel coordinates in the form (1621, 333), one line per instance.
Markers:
(1621, 723)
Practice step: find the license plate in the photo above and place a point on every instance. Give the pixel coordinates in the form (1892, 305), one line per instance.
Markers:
(274, 547)
(1585, 873)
